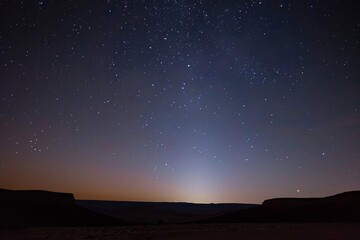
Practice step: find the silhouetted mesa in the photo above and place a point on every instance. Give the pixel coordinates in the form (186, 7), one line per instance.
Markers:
(47, 209)
(344, 207)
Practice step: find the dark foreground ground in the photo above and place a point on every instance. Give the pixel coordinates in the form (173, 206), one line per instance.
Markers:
(243, 231)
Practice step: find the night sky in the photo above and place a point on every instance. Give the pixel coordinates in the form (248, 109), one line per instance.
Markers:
(176, 100)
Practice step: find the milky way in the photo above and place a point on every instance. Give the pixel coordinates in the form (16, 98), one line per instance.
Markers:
(201, 101)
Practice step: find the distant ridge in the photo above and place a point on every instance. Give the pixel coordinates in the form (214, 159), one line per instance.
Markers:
(166, 212)
(35, 208)
(343, 207)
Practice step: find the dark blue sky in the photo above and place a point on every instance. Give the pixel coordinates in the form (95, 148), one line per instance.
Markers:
(204, 101)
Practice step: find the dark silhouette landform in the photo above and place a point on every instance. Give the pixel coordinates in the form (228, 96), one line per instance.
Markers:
(161, 212)
(343, 207)
(34, 208)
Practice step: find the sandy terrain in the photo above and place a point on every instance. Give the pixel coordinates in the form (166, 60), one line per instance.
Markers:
(195, 231)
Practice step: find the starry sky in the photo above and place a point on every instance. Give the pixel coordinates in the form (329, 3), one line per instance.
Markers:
(176, 100)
